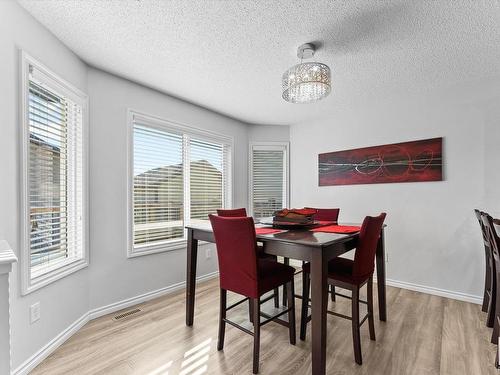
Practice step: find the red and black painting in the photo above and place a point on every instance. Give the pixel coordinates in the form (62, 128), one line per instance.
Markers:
(398, 162)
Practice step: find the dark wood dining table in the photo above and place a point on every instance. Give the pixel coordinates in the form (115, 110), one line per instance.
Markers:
(314, 247)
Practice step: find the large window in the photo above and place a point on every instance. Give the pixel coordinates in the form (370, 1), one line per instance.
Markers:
(178, 176)
(268, 178)
(54, 176)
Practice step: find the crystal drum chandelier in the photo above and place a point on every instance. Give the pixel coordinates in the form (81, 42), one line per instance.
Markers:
(306, 82)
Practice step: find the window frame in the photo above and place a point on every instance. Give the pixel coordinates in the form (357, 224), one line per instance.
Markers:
(178, 128)
(285, 146)
(61, 269)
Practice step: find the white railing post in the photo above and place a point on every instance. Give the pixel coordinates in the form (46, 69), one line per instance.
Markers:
(7, 257)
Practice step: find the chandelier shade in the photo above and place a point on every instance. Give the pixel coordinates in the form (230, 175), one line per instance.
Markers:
(306, 82)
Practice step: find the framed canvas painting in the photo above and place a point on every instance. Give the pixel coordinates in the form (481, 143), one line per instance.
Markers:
(414, 161)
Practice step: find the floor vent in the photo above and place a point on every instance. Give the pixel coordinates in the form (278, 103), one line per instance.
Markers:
(127, 313)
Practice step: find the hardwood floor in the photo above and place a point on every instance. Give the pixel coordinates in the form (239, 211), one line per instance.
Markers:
(424, 335)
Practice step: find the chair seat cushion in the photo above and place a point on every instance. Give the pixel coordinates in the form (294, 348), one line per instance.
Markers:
(339, 269)
(272, 274)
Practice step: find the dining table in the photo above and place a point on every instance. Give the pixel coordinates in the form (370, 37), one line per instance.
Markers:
(303, 244)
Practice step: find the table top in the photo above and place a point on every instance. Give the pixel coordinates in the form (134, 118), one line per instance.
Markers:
(296, 236)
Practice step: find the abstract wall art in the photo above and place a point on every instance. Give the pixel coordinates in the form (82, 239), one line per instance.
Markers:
(415, 161)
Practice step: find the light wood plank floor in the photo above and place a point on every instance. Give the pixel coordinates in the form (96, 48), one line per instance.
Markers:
(424, 335)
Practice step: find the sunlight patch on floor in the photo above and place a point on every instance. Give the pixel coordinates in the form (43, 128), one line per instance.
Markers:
(162, 370)
(195, 359)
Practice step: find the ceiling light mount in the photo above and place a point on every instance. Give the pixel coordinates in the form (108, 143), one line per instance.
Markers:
(306, 51)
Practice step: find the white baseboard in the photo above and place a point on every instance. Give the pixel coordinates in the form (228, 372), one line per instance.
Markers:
(436, 291)
(120, 305)
(51, 346)
(57, 341)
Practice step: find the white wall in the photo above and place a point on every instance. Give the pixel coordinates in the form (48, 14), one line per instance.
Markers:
(432, 236)
(268, 133)
(492, 157)
(114, 277)
(65, 300)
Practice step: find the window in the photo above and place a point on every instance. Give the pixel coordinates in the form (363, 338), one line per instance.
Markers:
(206, 183)
(54, 176)
(179, 175)
(158, 186)
(268, 178)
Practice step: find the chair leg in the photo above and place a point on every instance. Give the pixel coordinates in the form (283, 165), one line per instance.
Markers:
(495, 333)
(495, 309)
(490, 319)
(497, 364)
(332, 292)
(250, 310)
(256, 335)
(487, 282)
(355, 326)
(371, 323)
(276, 297)
(291, 314)
(496, 325)
(306, 282)
(222, 316)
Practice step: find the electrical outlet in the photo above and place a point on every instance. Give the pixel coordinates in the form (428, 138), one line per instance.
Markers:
(208, 253)
(35, 312)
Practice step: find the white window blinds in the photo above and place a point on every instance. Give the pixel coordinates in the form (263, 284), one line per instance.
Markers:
(269, 178)
(55, 202)
(158, 186)
(206, 178)
(179, 177)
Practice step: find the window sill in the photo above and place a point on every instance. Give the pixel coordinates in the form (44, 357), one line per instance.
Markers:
(54, 275)
(160, 248)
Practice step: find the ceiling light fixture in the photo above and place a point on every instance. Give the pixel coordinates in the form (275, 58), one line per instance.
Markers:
(306, 82)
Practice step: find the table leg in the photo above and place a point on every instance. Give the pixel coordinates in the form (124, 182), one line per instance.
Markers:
(319, 303)
(192, 256)
(380, 258)
(285, 298)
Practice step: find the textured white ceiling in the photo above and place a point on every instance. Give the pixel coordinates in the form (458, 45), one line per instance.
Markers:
(229, 55)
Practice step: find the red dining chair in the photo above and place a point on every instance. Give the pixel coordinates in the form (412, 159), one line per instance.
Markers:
(489, 296)
(242, 212)
(351, 275)
(233, 212)
(494, 241)
(241, 271)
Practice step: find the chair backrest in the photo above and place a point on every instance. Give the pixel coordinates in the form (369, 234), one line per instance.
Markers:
(236, 253)
(236, 212)
(479, 216)
(364, 258)
(326, 214)
(492, 235)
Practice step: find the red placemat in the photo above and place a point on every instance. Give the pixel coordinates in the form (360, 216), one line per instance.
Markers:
(267, 230)
(337, 229)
